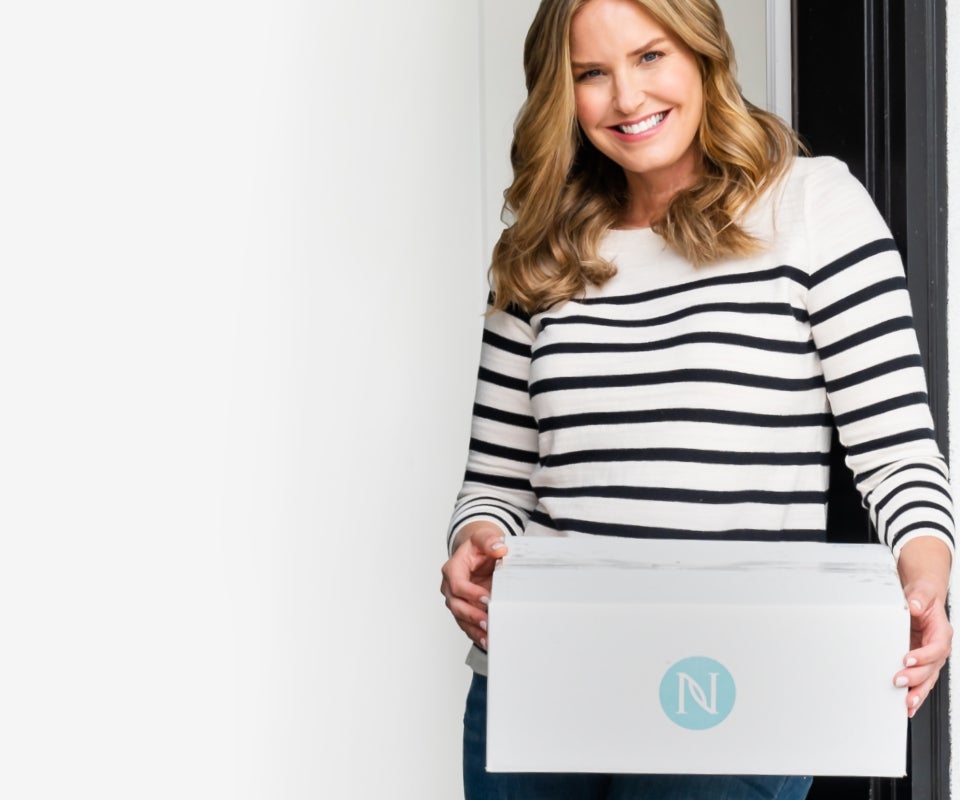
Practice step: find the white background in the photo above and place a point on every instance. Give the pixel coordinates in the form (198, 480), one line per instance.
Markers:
(239, 322)
(241, 273)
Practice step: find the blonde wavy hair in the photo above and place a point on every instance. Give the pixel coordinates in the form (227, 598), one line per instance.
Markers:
(566, 194)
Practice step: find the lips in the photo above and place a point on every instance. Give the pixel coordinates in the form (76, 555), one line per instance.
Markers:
(643, 125)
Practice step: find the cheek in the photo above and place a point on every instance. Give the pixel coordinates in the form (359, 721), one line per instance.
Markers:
(589, 106)
(582, 111)
(695, 93)
(690, 98)
(697, 108)
(588, 119)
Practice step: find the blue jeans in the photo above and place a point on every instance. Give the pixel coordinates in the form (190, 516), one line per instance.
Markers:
(479, 784)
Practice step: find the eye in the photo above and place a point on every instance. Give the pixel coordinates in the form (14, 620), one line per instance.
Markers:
(588, 74)
(650, 57)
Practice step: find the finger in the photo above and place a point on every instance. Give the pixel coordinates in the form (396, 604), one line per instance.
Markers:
(920, 594)
(914, 678)
(470, 562)
(476, 633)
(928, 618)
(917, 695)
(482, 540)
(920, 665)
(925, 611)
(931, 630)
(485, 554)
(477, 603)
(487, 539)
(919, 602)
(932, 653)
(472, 575)
(466, 613)
(458, 584)
(478, 594)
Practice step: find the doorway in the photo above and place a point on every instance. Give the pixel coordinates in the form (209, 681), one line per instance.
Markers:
(869, 88)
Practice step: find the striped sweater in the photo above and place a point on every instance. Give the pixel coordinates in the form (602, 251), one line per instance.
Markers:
(698, 402)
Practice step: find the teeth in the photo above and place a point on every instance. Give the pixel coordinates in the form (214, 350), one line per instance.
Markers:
(643, 125)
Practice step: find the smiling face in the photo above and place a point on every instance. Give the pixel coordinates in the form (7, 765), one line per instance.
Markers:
(639, 95)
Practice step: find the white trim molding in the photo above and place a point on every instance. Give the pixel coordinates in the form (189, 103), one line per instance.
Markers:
(780, 59)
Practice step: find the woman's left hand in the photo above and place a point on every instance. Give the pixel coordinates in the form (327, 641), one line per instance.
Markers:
(931, 635)
(924, 570)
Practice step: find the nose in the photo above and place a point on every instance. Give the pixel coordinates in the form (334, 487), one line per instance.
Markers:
(628, 92)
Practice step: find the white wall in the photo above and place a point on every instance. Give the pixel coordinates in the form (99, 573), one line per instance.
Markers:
(239, 318)
(747, 22)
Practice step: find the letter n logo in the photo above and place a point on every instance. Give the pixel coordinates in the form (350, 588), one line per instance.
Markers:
(697, 693)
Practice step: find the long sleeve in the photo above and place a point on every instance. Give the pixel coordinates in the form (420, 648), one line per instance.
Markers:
(862, 326)
(503, 444)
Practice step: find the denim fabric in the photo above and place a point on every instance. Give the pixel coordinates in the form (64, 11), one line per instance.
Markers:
(481, 785)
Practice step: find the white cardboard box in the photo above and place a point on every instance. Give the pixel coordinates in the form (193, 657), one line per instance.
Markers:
(666, 656)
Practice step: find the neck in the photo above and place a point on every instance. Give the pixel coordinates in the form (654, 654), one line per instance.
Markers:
(649, 202)
(651, 194)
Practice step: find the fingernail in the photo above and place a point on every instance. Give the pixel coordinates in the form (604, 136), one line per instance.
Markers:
(497, 546)
(483, 643)
(916, 604)
(483, 624)
(485, 600)
(910, 662)
(901, 681)
(915, 702)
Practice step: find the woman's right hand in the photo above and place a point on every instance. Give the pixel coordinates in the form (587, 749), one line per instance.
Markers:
(468, 575)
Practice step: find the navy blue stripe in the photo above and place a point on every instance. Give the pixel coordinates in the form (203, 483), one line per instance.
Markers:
(912, 485)
(678, 376)
(706, 337)
(917, 435)
(862, 476)
(777, 309)
(850, 301)
(480, 514)
(775, 273)
(499, 379)
(678, 454)
(853, 257)
(917, 504)
(904, 401)
(508, 345)
(921, 526)
(506, 417)
(672, 495)
(503, 481)
(867, 335)
(498, 502)
(650, 532)
(701, 415)
(876, 371)
(499, 451)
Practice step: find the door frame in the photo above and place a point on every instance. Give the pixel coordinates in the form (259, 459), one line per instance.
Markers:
(896, 138)
(926, 246)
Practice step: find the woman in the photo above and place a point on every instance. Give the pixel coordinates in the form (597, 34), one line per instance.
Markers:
(682, 308)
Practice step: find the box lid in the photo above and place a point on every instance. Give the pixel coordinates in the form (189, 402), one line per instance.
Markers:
(598, 569)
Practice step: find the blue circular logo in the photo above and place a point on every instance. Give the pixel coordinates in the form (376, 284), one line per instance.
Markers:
(697, 693)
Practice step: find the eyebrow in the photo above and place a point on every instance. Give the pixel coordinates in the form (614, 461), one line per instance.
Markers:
(642, 49)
